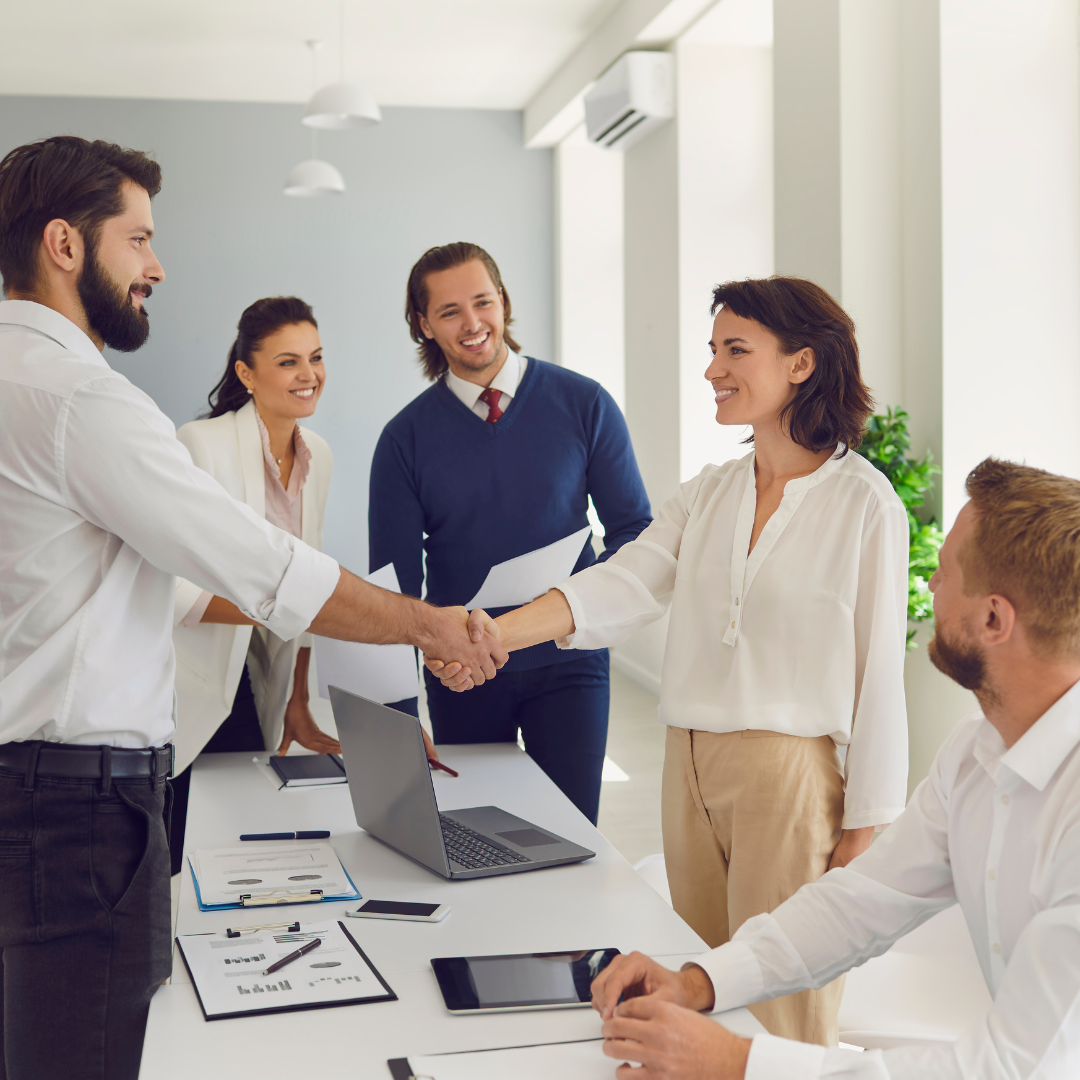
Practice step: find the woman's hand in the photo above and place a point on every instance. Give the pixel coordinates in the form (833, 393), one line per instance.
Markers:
(853, 842)
(300, 727)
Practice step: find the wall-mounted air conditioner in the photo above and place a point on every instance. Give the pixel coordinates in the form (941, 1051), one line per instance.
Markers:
(632, 98)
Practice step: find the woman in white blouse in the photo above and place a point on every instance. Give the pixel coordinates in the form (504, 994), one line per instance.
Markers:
(786, 575)
(238, 686)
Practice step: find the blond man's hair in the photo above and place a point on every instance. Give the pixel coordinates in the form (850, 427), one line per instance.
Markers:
(1025, 546)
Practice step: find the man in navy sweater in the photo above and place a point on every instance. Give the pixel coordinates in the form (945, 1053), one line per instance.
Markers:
(498, 458)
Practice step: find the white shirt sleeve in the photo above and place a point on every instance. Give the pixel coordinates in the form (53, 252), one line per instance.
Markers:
(122, 468)
(876, 766)
(855, 913)
(612, 599)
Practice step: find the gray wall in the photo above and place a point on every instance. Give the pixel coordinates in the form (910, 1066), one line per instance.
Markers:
(226, 236)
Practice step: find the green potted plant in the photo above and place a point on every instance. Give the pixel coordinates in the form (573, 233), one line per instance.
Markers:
(885, 446)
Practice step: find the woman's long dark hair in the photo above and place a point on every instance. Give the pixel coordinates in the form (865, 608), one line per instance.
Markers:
(258, 322)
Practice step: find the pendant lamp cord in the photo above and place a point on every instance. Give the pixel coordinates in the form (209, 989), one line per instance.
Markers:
(341, 40)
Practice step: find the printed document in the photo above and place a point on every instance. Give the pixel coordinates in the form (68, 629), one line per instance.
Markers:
(518, 581)
(228, 972)
(569, 1061)
(382, 673)
(269, 868)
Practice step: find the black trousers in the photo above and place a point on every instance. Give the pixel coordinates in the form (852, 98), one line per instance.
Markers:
(85, 923)
(561, 709)
(239, 731)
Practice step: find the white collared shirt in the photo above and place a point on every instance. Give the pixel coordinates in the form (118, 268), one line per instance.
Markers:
(805, 635)
(100, 506)
(506, 382)
(997, 830)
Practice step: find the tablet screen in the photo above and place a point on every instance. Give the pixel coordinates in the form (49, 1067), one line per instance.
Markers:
(522, 981)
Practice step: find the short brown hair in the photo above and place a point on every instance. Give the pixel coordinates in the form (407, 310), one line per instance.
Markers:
(416, 298)
(1025, 546)
(62, 177)
(833, 405)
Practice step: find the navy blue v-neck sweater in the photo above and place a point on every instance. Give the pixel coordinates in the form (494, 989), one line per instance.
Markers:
(467, 494)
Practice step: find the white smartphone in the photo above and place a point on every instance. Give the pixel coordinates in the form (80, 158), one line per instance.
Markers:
(395, 909)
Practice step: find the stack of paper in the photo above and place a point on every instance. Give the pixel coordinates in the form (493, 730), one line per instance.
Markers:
(284, 869)
(569, 1061)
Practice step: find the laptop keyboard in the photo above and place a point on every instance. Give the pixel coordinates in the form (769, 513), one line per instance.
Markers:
(468, 848)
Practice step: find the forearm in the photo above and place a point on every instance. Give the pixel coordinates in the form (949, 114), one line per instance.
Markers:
(545, 619)
(220, 610)
(300, 676)
(357, 611)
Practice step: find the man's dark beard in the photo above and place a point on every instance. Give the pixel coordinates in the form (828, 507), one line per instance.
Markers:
(964, 664)
(109, 310)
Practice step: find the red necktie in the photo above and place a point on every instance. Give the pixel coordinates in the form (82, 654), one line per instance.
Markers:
(490, 398)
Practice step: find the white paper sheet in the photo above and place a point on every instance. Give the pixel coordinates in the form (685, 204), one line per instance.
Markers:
(269, 867)
(381, 673)
(567, 1061)
(228, 972)
(517, 581)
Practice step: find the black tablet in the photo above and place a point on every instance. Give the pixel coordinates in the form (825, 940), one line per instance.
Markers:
(482, 984)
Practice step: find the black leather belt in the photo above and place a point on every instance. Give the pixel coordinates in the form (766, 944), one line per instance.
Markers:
(85, 762)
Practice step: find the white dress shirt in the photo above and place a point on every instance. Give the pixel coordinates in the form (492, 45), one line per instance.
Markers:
(506, 382)
(284, 507)
(997, 830)
(803, 636)
(100, 506)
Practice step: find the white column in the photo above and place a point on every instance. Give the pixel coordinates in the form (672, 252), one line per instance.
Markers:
(1010, 136)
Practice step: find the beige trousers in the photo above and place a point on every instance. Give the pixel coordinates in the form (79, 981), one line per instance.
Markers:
(749, 817)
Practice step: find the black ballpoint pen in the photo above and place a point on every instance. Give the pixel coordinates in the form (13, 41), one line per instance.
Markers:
(309, 834)
(302, 951)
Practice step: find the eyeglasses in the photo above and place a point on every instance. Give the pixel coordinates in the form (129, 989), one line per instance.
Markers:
(292, 927)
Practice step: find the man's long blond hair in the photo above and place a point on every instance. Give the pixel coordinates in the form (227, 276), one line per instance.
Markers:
(1025, 546)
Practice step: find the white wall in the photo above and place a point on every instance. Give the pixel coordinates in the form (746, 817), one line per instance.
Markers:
(227, 236)
(1010, 135)
(589, 262)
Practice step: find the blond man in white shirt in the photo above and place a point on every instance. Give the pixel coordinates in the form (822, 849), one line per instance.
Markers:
(995, 827)
(783, 681)
(101, 508)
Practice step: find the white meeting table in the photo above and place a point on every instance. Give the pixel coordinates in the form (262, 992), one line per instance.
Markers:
(600, 903)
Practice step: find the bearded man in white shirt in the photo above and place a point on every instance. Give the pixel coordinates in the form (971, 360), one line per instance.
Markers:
(995, 827)
(100, 508)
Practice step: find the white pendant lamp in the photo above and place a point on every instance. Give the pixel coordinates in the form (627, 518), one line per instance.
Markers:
(341, 104)
(314, 177)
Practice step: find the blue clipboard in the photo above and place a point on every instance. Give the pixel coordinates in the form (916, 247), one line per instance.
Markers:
(272, 901)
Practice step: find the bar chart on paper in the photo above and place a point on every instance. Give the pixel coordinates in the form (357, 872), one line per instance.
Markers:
(229, 978)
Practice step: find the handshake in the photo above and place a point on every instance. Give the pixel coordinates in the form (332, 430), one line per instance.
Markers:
(476, 664)
(490, 641)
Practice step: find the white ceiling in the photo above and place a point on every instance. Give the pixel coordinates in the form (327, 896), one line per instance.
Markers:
(466, 53)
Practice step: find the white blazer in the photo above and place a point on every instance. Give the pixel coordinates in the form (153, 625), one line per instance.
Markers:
(210, 657)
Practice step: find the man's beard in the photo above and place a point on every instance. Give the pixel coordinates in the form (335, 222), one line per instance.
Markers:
(963, 663)
(109, 309)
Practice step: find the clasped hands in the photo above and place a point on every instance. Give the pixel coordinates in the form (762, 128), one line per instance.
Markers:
(461, 675)
(658, 1024)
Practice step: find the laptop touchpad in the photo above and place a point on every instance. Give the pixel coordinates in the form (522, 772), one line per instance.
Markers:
(527, 837)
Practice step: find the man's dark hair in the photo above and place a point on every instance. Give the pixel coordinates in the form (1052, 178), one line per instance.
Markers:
(833, 405)
(258, 322)
(416, 299)
(62, 177)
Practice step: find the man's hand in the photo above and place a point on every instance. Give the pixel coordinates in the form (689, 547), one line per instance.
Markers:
(637, 975)
(456, 675)
(300, 727)
(853, 842)
(472, 639)
(673, 1043)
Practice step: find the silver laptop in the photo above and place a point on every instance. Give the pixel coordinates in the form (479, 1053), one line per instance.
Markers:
(394, 800)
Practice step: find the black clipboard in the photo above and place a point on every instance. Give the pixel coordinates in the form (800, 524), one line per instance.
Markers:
(388, 996)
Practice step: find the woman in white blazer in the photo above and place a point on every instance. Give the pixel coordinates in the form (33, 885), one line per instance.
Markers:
(238, 686)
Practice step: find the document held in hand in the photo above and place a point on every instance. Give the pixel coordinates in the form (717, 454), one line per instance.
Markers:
(518, 581)
(381, 673)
